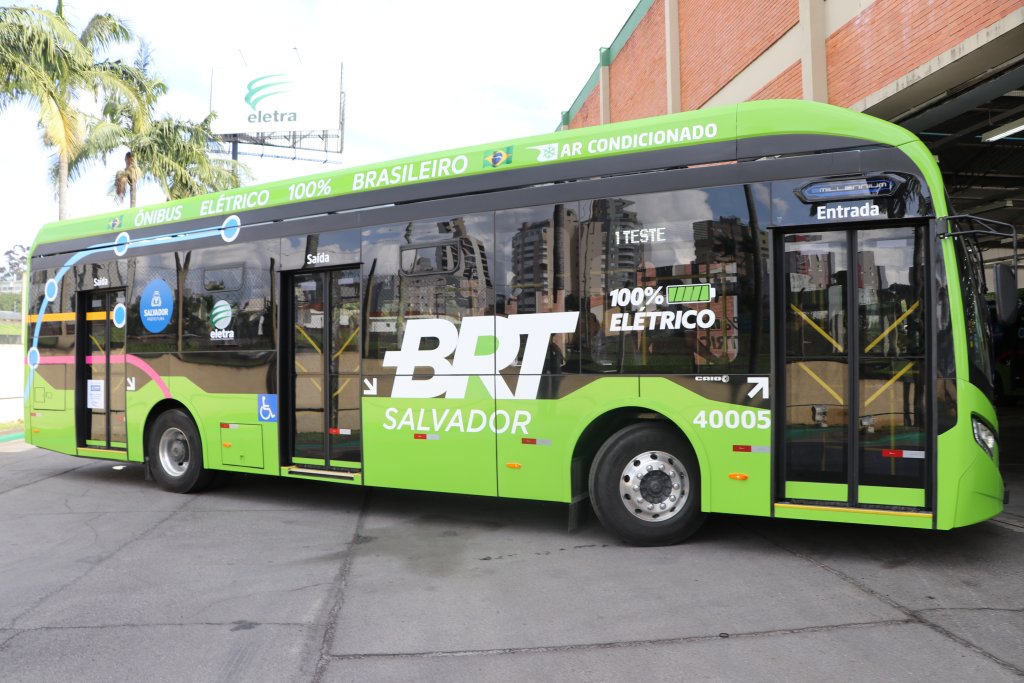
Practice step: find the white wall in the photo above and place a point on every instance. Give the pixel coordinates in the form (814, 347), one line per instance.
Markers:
(12, 379)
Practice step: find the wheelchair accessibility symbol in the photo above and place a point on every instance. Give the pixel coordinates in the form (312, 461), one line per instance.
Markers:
(267, 407)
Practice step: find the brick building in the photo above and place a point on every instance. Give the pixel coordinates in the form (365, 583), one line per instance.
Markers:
(950, 70)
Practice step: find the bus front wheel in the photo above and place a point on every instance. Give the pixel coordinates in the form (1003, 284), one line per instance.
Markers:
(175, 454)
(645, 486)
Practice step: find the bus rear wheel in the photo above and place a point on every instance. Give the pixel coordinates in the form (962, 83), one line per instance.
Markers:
(175, 454)
(645, 486)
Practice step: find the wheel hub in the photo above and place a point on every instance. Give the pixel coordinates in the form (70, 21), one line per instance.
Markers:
(654, 486)
(174, 452)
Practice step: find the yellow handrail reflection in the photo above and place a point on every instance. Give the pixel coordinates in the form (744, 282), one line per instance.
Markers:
(816, 328)
(820, 381)
(903, 371)
(892, 327)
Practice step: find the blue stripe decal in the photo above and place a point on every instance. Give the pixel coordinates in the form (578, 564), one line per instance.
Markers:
(228, 231)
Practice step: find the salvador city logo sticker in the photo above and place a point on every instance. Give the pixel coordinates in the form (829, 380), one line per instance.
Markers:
(220, 319)
(156, 306)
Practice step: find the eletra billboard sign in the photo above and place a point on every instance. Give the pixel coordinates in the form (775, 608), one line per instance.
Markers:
(272, 100)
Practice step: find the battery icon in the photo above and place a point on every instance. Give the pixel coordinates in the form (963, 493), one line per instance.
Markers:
(690, 294)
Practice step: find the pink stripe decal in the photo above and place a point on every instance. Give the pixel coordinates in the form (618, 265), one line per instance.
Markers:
(96, 360)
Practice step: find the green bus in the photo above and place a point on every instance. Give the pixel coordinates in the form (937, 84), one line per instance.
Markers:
(760, 309)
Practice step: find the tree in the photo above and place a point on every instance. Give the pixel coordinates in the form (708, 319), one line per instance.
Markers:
(43, 61)
(174, 153)
(13, 265)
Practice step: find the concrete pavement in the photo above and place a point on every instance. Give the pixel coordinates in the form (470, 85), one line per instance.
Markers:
(103, 576)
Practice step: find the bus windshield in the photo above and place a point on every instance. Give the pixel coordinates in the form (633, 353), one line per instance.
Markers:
(976, 312)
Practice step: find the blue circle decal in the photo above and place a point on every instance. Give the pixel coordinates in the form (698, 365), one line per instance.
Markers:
(51, 290)
(156, 306)
(120, 315)
(121, 243)
(230, 228)
(33, 358)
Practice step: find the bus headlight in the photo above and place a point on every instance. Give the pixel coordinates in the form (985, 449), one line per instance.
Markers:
(984, 435)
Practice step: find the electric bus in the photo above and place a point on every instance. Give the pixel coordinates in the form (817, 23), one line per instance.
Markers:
(761, 309)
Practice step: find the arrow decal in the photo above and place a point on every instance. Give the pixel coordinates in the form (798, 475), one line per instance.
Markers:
(370, 387)
(760, 385)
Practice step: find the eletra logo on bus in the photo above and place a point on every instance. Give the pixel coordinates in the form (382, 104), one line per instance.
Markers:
(220, 320)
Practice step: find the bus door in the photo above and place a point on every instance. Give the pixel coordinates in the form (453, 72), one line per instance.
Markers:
(325, 355)
(100, 370)
(855, 416)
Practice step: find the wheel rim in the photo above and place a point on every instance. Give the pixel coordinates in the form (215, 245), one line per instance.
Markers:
(175, 453)
(654, 486)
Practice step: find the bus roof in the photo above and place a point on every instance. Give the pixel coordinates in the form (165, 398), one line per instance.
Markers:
(731, 123)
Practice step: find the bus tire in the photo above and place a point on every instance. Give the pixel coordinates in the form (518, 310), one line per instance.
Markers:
(175, 454)
(645, 486)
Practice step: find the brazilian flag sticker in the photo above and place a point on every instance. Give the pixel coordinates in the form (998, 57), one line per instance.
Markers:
(498, 157)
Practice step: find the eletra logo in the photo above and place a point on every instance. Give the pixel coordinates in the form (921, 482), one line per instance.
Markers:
(220, 319)
(259, 89)
(263, 87)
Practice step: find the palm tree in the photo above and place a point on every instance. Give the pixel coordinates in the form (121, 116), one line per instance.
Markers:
(34, 45)
(174, 153)
(43, 61)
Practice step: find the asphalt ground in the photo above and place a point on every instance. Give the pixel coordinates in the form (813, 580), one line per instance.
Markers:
(105, 577)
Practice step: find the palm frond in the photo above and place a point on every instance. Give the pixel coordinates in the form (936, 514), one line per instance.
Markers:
(104, 30)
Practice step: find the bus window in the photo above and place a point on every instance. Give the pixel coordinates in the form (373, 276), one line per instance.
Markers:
(674, 283)
(976, 314)
(437, 268)
(534, 272)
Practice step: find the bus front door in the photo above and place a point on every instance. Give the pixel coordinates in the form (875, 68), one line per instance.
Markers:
(855, 415)
(325, 371)
(100, 370)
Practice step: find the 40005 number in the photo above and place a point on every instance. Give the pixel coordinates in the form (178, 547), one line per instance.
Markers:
(733, 419)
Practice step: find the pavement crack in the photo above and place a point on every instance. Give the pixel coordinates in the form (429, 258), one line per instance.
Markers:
(336, 597)
(49, 476)
(971, 609)
(624, 643)
(246, 625)
(99, 560)
(912, 614)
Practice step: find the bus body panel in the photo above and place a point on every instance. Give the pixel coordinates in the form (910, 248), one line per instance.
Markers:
(970, 487)
(479, 444)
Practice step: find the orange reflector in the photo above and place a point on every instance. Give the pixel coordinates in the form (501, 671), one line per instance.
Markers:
(227, 445)
(738, 476)
(35, 431)
(513, 465)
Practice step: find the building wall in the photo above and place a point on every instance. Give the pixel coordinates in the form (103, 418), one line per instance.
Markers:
(892, 37)
(590, 112)
(736, 50)
(786, 85)
(720, 38)
(638, 71)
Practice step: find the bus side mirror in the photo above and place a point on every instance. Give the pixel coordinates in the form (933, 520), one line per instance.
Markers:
(1006, 293)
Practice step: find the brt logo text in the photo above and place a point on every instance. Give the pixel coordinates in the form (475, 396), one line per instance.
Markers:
(483, 347)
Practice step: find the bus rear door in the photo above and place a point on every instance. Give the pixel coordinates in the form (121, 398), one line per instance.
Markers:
(324, 375)
(100, 371)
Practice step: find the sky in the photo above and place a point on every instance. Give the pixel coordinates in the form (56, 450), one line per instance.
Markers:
(418, 77)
